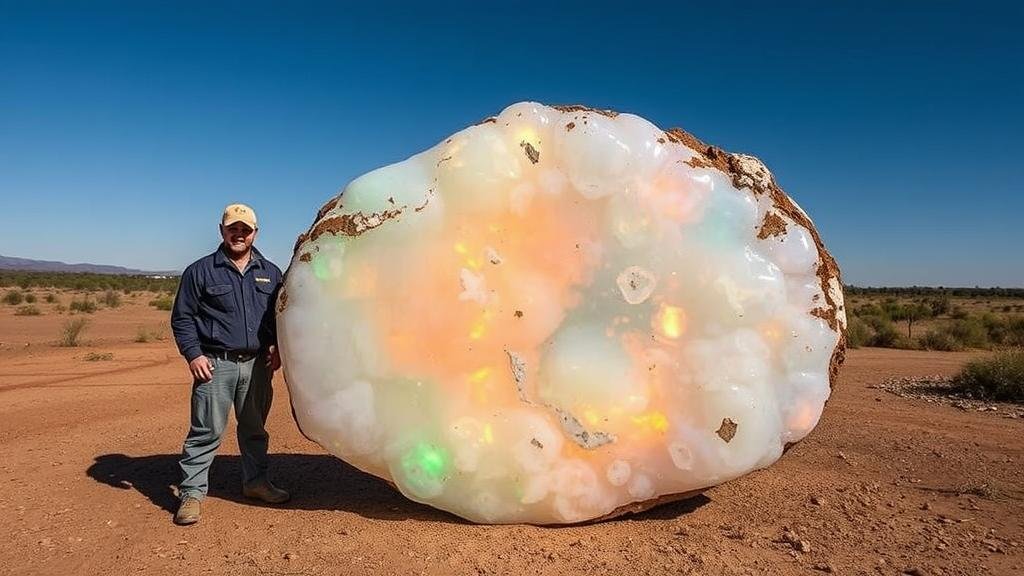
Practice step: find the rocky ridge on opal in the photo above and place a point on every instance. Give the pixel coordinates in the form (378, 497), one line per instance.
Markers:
(560, 314)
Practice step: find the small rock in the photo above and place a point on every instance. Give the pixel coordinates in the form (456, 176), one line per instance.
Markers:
(914, 571)
(823, 567)
(290, 556)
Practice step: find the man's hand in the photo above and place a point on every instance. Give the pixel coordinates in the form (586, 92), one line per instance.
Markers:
(201, 369)
(273, 358)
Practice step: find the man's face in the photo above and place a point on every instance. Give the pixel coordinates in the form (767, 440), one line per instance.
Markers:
(238, 237)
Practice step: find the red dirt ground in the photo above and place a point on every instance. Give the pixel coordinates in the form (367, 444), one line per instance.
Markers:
(884, 485)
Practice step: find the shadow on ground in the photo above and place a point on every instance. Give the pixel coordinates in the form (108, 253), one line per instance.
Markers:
(316, 482)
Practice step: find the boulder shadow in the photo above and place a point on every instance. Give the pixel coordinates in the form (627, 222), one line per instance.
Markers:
(316, 482)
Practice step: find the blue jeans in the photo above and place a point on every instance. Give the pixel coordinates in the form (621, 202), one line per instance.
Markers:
(245, 386)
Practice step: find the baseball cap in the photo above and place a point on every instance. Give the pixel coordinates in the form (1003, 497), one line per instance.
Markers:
(239, 213)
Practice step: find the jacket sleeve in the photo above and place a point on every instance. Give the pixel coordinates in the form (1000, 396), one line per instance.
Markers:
(183, 315)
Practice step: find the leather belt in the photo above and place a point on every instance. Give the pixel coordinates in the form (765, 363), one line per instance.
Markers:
(231, 355)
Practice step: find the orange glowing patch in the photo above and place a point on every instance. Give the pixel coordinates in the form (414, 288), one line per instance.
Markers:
(670, 321)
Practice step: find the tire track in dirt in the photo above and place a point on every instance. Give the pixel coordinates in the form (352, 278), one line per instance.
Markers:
(116, 371)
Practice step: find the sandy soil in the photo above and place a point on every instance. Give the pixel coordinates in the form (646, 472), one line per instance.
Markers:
(884, 485)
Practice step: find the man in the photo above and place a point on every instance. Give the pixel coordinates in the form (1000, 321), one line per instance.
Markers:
(223, 323)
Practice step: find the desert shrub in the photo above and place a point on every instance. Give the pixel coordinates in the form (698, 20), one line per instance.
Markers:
(27, 310)
(162, 303)
(971, 333)
(939, 305)
(84, 305)
(1000, 377)
(96, 356)
(936, 340)
(959, 313)
(882, 333)
(1014, 331)
(870, 310)
(858, 333)
(72, 330)
(885, 336)
(30, 298)
(995, 326)
(111, 299)
(13, 297)
(51, 298)
(143, 335)
(60, 308)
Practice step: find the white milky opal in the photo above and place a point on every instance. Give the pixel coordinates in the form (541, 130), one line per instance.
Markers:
(560, 314)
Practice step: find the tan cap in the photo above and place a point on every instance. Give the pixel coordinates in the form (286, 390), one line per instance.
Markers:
(239, 213)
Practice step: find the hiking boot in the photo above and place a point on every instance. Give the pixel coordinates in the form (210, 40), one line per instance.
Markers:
(188, 512)
(265, 491)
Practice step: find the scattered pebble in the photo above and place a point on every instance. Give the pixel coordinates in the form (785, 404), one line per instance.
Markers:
(939, 389)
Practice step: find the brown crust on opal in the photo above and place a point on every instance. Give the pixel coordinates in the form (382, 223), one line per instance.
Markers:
(306, 257)
(327, 207)
(773, 225)
(353, 224)
(697, 162)
(532, 153)
(490, 120)
(727, 431)
(579, 108)
(570, 126)
(827, 270)
(282, 299)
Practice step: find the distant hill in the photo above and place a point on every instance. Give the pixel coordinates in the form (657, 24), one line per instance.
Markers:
(29, 265)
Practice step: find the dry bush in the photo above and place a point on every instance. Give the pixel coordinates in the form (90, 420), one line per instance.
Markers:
(27, 310)
(162, 303)
(84, 305)
(97, 357)
(885, 333)
(858, 333)
(936, 340)
(13, 297)
(111, 299)
(1000, 377)
(51, 298)
(971, 333)
(72, 330)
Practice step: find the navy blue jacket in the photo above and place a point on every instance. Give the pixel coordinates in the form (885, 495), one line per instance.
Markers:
(219, 308)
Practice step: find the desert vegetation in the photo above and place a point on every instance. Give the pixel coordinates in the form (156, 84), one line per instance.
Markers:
(87, 282)
(945, 319)
(162, 303)
(28, 310)
(999, 377)
(71, 332)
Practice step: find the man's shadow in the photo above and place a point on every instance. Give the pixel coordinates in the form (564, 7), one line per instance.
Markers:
(316, 482)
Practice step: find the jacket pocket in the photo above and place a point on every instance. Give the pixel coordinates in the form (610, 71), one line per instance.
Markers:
(221, 296)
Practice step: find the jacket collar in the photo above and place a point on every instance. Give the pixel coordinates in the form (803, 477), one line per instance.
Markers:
(220, 258)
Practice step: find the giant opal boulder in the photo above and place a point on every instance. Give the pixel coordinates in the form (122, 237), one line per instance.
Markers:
(560, 314)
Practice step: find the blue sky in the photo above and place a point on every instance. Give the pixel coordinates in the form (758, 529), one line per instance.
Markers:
(126, 127)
